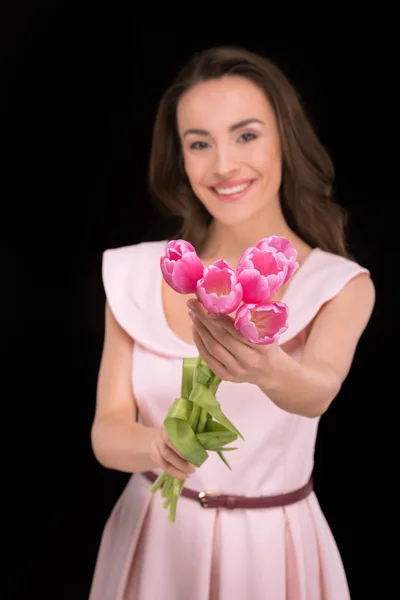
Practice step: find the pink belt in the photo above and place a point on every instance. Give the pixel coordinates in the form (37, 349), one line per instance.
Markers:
(217, 500)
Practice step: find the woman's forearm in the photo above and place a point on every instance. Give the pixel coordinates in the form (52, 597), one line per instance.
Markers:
(300, 389)
(122, 445)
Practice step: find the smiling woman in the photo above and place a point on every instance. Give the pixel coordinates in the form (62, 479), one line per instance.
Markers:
(238, 159)
(235, 157)
(206, 105)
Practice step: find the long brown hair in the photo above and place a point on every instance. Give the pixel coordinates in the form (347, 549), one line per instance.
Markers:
(307, 169)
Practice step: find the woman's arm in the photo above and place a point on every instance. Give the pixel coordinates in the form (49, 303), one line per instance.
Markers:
(306, 388)
(118, 441)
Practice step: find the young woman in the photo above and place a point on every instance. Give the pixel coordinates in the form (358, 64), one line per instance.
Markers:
(234, 155)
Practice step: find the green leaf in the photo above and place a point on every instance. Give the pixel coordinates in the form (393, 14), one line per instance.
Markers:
(185, 440)
(194, 416)
(203, 420)
(195, 423)
(188, 369)
(180, 409)
(202, 396)
(222, 457)
(203, 375)
(214, 384)
(214, 426)
(213, 441)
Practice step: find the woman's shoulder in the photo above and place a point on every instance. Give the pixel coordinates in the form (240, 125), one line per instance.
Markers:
(322, 278)
(345, 274)
(332, 272)
(335, 258)
(336, 276)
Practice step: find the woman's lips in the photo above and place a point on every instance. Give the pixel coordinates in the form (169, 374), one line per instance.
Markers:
(232, 190)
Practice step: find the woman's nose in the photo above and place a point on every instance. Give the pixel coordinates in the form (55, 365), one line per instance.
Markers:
(225, 162)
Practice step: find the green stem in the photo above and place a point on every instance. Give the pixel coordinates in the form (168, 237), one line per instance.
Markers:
(178, 486)
(158, 482)
(166, 491)
(195, 426)
(202, 421)
(196, 370)
(214, 384)
(194, 416)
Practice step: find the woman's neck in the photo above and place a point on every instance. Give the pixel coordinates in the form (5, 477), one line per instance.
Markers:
(230, 242)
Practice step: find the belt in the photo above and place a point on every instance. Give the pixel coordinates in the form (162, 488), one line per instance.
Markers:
(217, 500)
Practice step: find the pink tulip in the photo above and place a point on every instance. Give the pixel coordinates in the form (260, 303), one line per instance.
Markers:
(219, 290)
(181, 267)
(286, 253)
(262, 323)
(264, 268)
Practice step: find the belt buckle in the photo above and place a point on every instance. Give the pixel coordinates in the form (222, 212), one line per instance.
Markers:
(203, 497)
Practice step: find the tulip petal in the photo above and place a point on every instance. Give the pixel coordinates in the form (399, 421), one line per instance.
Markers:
(264, 268)
(181, 267)
(262, 323)
(219, 290)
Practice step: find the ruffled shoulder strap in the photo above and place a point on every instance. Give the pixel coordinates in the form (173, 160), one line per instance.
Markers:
(319, 279)
(132, 282)
(128, 277)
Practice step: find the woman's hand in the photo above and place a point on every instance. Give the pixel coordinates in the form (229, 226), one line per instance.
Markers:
(166, 456)
(226, 351)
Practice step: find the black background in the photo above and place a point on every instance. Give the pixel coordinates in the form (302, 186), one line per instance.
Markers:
(80, 86)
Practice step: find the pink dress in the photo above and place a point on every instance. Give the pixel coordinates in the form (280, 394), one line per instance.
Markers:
(274, 553)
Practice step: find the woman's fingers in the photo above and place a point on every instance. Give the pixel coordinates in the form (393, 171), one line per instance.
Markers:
(175, 460)
(169, 459)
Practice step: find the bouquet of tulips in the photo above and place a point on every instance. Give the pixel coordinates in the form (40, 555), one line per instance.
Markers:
(195, 422)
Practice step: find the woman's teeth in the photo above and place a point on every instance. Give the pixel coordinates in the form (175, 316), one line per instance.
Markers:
(232, 190)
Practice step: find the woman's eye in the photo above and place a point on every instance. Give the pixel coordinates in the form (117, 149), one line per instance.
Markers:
(198, 145)
(247, 137)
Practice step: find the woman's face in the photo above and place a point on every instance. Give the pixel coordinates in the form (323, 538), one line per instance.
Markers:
(231, 148)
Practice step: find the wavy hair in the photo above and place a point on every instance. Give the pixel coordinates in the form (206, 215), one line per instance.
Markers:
(307, 171)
